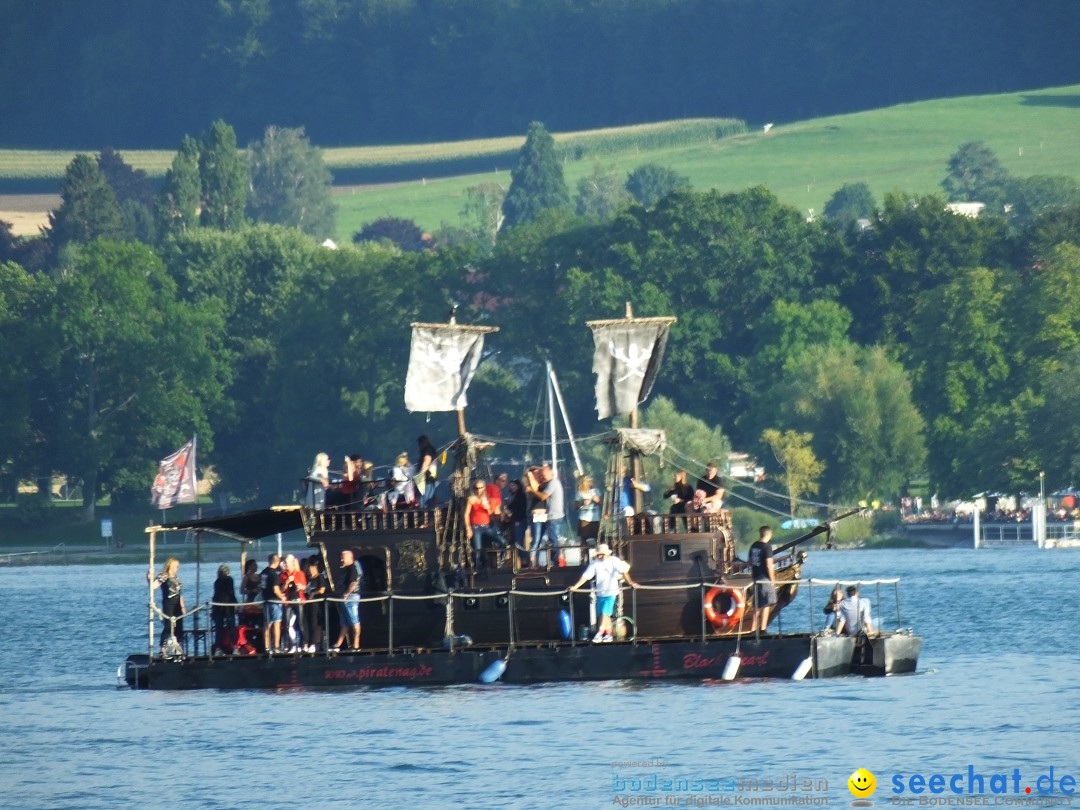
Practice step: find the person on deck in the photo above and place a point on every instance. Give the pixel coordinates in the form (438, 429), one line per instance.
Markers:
(517, 508)
(426, 468)
(627, 488)
(548, 496)
(273, 610)
(318, 481)
(293, 582)
(713, 486)
(607, 570)
(172, 601)
(587, 501)
(495, 490)
(223, 611)
(251, 584)
(402, 494)
(314, 609)
(832, 607)
(681, 494)
(478, 526)
(761, 566)
(350, 607)
(853, 615)
(347, 494)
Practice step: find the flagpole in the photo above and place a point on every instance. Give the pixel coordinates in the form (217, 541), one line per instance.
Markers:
(153, 537)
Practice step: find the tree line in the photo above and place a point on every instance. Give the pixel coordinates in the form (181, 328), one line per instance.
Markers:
(371, 71)
(891, 341)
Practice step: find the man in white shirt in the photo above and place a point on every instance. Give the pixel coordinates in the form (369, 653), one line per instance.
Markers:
(853, 614)
(607, 570)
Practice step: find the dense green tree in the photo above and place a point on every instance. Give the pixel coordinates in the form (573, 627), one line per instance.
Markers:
(850, 202)
(130, 371)
(482, 213)
(962, 379)
(1058, 436)
(536, 181)
(178, 202)
(290, 184)
(88, 207)
(916, 245)
(404, 233)
(30, 253)
(975, 175)
(858, 405)
(795, 456)
(601, 193)
(650, 182)
(223, 177)
(128, 182)
(1031, 197)
(23, 336)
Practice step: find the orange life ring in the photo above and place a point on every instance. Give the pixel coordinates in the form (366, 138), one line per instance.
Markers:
(720, 619)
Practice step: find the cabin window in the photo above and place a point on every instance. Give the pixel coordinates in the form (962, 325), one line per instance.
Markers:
(671, 552)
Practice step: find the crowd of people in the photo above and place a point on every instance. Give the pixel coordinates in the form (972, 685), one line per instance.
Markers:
(283, 608)
(284, 603)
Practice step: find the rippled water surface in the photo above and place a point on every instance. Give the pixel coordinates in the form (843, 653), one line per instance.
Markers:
(997, 689)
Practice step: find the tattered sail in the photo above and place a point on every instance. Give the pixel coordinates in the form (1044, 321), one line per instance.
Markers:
(441, 365)
(626, 360)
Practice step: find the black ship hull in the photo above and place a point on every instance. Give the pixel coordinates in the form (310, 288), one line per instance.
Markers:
(765, 657)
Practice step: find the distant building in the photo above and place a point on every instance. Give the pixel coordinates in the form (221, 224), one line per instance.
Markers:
(967, 209)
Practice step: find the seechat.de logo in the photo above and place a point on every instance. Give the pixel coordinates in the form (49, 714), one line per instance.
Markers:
(862, 785)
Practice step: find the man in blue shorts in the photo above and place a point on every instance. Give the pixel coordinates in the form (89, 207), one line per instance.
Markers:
(607, 569)
(273, 610)
(350, 608)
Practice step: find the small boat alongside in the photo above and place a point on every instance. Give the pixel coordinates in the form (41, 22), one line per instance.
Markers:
(435, 610)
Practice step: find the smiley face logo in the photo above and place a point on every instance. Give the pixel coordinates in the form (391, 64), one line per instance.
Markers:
(862, 784)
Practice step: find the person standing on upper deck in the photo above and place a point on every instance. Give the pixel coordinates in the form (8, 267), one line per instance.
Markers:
(761, 566)
(426, 468)
(478, 524)
(627, 487)
(549, 496)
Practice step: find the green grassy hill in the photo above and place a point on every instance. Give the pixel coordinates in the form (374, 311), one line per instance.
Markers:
(904, 147)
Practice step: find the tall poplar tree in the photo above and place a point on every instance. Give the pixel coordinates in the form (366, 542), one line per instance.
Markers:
(178, 203)
(536, 181)
(224, 177)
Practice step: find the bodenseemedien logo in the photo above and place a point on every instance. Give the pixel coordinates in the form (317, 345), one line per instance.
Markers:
(862, 785)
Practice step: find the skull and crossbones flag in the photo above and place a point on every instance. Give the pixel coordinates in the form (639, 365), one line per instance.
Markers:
(175, 482)
(625, 362)
(442, 362)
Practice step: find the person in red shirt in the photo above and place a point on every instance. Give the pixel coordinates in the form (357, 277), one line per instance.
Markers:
(495, 498)
(478, 512)
(292, 582)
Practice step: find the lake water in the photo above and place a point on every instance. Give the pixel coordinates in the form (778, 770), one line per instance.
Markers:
(997, 691)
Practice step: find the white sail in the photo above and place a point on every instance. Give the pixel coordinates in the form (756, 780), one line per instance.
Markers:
(441, 366)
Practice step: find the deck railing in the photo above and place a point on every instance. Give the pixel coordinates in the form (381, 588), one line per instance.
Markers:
(511, 599)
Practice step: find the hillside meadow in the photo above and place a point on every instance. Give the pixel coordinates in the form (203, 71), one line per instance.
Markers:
(903, 147)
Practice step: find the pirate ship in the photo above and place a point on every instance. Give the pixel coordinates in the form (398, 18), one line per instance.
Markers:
(437, 611)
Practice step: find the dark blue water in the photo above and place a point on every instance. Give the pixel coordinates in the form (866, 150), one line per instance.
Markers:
(997, 690)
